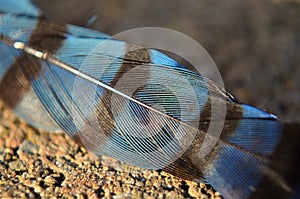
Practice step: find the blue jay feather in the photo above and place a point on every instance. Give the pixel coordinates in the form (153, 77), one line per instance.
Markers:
(59, 73)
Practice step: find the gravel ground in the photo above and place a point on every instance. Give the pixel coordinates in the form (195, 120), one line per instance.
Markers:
(256, 46)
(36, 164)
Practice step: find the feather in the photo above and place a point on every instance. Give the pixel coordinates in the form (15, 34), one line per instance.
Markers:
(141, 107)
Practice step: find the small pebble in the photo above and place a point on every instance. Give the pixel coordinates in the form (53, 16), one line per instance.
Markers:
(18, 165)
(38, 189)
(139, 184)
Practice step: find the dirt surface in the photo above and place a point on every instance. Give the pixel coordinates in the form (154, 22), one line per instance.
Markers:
(256, 46)
(41, 164)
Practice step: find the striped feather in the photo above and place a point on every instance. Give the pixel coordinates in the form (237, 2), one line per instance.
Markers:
(81, 81)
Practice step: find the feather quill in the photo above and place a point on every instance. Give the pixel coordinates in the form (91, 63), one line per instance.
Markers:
(136, 104)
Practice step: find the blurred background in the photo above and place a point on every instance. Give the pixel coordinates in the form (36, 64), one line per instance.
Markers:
(255, 44)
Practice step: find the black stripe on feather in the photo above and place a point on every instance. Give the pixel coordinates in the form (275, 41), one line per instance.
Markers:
(16, 82)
